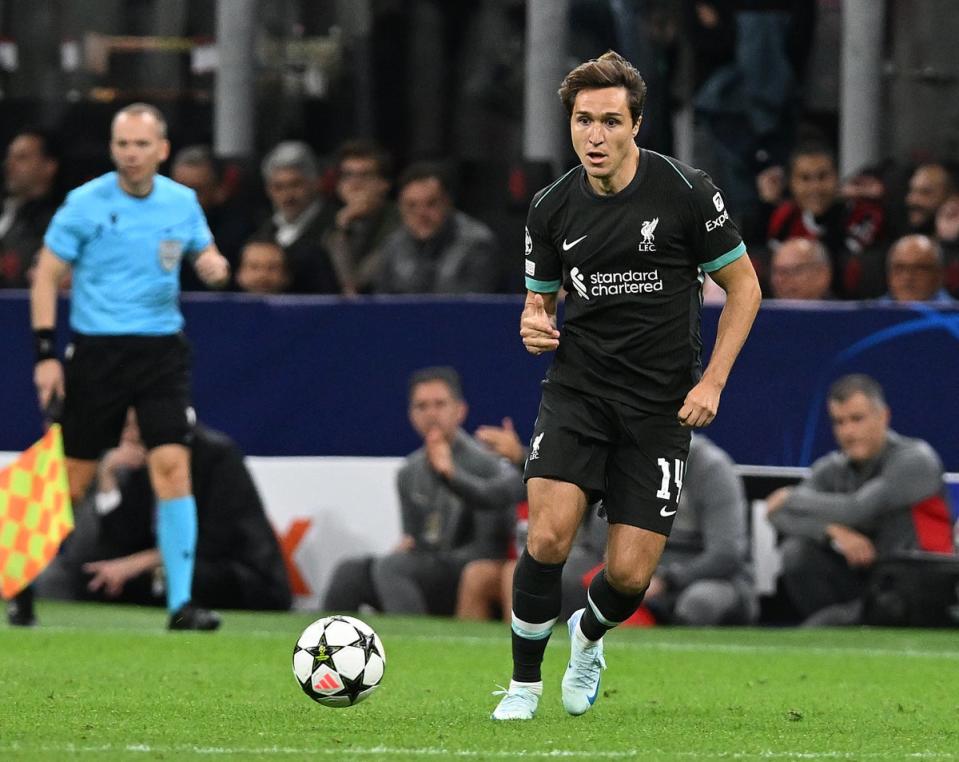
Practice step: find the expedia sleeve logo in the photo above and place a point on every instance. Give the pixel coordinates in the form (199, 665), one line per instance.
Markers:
(170, 253)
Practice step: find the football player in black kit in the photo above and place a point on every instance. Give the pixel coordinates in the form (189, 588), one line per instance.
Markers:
(628, 234)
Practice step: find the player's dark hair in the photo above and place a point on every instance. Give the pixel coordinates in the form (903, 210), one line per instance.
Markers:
(856, 383)
(139, 109)
(443, 373)
(609, 70)
(367, 149)
(426, 170)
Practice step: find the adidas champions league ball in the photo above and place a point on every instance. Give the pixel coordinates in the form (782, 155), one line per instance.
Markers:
(338, 661)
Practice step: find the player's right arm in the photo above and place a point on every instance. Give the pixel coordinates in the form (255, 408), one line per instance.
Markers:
(537, 324)
(48, 372)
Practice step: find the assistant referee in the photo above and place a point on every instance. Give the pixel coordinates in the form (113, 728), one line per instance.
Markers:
(123, 236)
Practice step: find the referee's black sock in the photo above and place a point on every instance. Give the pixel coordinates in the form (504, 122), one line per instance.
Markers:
(537, 597)
(606, 607)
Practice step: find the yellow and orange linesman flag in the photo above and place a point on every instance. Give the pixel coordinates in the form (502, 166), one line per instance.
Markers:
(35, 512)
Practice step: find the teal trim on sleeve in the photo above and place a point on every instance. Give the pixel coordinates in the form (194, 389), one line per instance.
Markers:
(730, 256)
(543, 286)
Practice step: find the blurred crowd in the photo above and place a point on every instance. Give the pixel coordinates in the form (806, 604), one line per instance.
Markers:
(350, 225)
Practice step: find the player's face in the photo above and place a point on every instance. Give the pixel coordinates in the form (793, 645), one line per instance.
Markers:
(604, 137)
(433, 406)
(814, 182)
(860, 426)
(424, 207)
(290, 192)
(138, 149)
(914, 272)
(262, 269)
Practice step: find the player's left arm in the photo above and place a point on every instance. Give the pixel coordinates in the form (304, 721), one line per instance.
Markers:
(738, 280)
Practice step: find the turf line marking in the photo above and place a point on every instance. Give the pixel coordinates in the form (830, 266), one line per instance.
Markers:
(690, 646)
(431, 751)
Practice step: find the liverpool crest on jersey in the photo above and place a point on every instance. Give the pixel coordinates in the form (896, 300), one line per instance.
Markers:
(649, 235)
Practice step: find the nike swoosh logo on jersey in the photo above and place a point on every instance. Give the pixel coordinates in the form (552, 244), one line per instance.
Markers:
(568, 246)
(664, 513)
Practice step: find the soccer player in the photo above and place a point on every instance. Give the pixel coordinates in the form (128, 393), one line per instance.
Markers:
(123, 235)
(629, 234)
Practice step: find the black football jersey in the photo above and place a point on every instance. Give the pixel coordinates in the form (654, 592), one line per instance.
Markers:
(632, 265)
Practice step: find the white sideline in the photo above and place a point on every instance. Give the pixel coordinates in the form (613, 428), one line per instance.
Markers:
(433, 751)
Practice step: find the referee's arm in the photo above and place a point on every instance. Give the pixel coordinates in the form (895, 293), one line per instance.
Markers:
(212, 267)
(47, 277)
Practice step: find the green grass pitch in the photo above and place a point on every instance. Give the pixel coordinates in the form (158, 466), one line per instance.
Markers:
(108, 682)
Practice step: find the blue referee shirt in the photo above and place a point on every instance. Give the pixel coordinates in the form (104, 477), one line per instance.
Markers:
(125, 253)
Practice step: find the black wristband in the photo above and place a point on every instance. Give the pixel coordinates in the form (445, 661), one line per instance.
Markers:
(45, 344)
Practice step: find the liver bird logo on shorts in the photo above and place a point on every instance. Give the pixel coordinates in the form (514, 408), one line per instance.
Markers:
(534, 449)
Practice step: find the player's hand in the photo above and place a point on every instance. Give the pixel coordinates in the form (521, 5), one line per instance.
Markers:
(110, 576)
(439, 453)
(503, 440)
(48, 379)
(537, 327)
(212, 268)
(701, 404)
(855, 547)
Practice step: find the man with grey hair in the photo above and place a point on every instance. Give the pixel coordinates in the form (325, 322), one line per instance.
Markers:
(301, 217)
(879, 494)
(914, 270)
(801, 269)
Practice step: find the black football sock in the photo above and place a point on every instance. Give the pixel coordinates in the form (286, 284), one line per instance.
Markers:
(606, 607)
(537, 597)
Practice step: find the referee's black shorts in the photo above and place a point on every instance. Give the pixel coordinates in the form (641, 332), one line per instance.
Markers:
(635, 461)
(105, 375)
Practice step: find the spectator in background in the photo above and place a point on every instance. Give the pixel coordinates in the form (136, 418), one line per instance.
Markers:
(30, 199)
(263, 268)
(878, 494)
(366, 218)
(849, 229)
(915, 271)
(438, 250)
(301, 217)
(947, 233)
(196, 167)
(704, 577)
(800, 269)
(930, 185)
(112, 554)
(457, 499)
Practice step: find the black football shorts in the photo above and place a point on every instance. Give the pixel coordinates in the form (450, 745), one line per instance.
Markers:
(635, 461)
(105, 375)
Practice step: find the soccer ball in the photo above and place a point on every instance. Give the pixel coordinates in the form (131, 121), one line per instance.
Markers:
(338, 661)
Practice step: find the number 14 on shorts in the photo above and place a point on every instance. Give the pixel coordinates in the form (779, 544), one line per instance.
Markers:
(675, 475)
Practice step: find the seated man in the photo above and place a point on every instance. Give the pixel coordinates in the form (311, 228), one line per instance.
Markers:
(704, 577)
(800, 269)
(915, 271)
(457, 501)
(878, 494)
(112, 553)
(437, 250)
